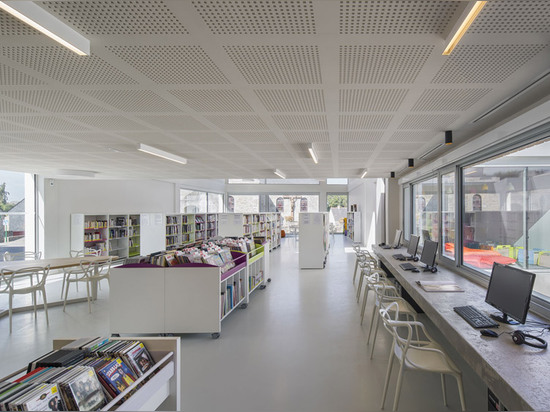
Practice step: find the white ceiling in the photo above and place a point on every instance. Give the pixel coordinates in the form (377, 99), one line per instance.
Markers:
(241, 87)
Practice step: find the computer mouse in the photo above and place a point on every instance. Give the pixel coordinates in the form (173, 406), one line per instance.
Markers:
(488, 332)
(415, 270)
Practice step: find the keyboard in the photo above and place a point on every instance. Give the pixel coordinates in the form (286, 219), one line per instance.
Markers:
(399, 256)
(407, 266)
(387, 247)
(474, 317)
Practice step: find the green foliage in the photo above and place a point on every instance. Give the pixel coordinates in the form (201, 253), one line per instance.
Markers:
(337, 200)
(4, 204)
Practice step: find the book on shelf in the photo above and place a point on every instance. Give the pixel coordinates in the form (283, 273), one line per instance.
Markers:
(439, 286)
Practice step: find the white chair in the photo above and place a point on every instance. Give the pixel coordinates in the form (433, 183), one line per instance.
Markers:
(366, 263)
(76, 253)
(386, 295)
(372, 278)
(11, 256)
(415, 354)
(13, 283)
(90, 273)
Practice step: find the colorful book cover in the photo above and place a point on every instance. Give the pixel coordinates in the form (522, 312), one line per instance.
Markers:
(47, 399)
(117, 375)
(140, 358)
(87, 391)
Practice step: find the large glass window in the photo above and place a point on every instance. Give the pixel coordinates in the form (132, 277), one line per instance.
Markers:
(506, 212)
(407, 212)
(448, 214)
(243, 203)
(290, 206)
(337, 206)
(192, 201)
(215, 203)
(16, 213)
(426, 219)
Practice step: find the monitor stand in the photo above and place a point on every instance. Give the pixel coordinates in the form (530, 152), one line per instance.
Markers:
(504, 319)
(432, 269)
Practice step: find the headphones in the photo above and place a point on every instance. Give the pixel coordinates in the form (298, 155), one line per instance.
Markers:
(520, 338)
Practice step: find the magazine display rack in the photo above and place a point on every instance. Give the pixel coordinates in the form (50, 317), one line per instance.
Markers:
(161, 392)
(189, 298)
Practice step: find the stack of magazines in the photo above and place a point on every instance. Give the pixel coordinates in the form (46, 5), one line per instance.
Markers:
(83, 376)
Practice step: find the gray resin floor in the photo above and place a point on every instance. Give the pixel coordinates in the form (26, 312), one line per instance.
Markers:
(297, 347)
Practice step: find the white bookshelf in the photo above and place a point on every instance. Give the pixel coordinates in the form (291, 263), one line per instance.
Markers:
(314, 240)
(173, 231)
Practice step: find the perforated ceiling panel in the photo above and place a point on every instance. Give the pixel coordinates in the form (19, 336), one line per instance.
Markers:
(257, 17)
(117, 17)
(370, 100)
(292, 100)
(172, 64)
(420, 121)
(12, 77)
(304, 122)
(446, 100)
(203, 100)
(487, 63)
(243, 122)
(52, 100)
(513, 16)
(363, 122)
(277, 64)
(65, 66)
(133, 100)
(241, 87)
(306, 136)
(360, 136)
(395, 16)
(382, 64)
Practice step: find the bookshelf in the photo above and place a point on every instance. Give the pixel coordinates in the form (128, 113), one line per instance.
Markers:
(118, 236)
(173, 231)
(211, 225)
(200, 227)
(134, 235)
(354, 226)
(187, 228)
(314, 240)
(90, 231)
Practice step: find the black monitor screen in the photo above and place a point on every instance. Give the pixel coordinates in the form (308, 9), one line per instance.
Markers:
(428, 253)
(413, 245)
(397, 240)
(426, 234)
(510, 291)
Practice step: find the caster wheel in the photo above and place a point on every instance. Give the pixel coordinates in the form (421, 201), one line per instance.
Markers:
(269, 279)
(244, 306)
(215, 335)
(263, 287)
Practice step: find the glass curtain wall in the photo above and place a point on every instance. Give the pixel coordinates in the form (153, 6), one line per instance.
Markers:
(448, 218)
(506, 213)
(426, 210)
(15, 218)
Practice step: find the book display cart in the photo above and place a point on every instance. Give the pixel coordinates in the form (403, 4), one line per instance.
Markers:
(161, 392)
(354, 226)
(190, 298)
(314, 240)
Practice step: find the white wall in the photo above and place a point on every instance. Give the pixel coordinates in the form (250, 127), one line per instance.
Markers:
(368, 195)
(63, 197)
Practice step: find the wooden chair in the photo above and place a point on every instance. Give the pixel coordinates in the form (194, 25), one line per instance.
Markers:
(12, 283)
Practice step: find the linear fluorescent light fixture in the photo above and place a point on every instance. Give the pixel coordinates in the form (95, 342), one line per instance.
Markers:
(313, 153)
(463, 28)
(35, 16)
(279, 173)
(364, 173)
(161, 153)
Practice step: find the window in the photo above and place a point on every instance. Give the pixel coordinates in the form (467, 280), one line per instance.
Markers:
(426, 220)
(337, 206)
(448, 215)
(192, 201)
(337, 181)
(215, 203)
(243, 203)
(290, 205)
(506, 212)
(407, 224)
(16, 212)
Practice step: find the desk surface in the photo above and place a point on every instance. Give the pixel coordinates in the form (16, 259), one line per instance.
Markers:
(518, 375)
(56, 263)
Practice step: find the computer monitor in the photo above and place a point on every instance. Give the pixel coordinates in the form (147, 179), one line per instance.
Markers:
(397, 240)
(413, 246)
(510, 292)
(429, 252)
(426, 235)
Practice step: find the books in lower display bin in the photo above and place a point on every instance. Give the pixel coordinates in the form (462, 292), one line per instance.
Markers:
(439, 286)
